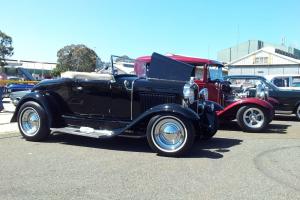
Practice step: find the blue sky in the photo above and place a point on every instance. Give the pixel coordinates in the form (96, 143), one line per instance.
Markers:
(139, 27)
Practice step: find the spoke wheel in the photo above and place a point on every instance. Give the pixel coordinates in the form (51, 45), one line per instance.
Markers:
(252, 118)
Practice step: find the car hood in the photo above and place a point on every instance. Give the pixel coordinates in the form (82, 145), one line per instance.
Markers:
(162, 67)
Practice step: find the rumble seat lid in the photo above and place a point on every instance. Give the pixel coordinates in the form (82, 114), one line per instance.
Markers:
(163, 67)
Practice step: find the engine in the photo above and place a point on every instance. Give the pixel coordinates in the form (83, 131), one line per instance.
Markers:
(236, 92)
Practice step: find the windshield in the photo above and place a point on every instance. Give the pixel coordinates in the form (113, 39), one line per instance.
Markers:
(295, 81)
(215, 73)
(271, 85)
(122, 65)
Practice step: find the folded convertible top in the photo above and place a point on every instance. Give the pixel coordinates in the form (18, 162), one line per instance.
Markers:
(162, 67)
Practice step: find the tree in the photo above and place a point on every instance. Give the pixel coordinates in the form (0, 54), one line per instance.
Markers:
(6, 48)
(76, 58)
(124, 58)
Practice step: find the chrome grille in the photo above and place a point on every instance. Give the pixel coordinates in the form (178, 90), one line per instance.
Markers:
(152, 99)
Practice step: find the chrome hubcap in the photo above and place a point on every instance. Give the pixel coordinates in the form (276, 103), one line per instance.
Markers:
(253, 117)
(169, 134)
(29, 121)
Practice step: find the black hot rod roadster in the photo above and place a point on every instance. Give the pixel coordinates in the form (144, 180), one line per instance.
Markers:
(166, 106)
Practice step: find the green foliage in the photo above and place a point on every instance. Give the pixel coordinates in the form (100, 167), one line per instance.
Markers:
(6, 48)
(124, 58)
(56, 72)
(76, 58)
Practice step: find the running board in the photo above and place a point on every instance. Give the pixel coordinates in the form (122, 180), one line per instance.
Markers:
(86, 131)
(283, 112)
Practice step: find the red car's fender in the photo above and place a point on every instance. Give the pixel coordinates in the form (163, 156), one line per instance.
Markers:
(229, 112)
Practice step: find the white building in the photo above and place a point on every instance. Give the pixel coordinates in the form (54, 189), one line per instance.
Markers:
(265, 61)
(37, 68)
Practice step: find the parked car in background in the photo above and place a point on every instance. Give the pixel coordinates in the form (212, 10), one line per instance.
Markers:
(253, 113)
(167, 107)
(15, 87)
(16, 82)
(289, 99)
(285, 81)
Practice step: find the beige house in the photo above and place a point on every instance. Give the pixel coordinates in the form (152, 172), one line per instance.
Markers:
(265, 61)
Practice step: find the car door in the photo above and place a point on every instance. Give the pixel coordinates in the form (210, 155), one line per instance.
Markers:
(121, 95)
(91, 98)
(287, 99)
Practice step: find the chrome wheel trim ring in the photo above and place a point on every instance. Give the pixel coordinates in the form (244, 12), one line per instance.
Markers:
(29, 121)
(254, 117)
(169, 134)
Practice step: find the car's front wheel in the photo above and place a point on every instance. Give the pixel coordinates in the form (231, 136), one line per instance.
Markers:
(32, 121)
(170, 135)
(252, 118)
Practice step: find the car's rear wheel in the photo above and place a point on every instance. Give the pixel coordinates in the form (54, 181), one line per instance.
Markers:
(170, 135)
(298, 112)
(32, 121)
(252, 118)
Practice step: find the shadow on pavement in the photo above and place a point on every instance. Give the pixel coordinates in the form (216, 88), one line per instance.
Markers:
(271, 128)
(276, 128)
(202, 149)
(213, 148)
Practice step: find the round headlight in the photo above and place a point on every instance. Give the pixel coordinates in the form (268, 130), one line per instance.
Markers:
(203, 94)
(188, 93)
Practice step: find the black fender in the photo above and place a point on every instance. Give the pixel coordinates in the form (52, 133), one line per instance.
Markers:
(209, 119)
(47, 101)
(172, 108)
(213, 106)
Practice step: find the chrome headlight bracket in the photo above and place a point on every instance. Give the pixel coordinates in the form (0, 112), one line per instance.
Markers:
(203, 94)
(189, 91)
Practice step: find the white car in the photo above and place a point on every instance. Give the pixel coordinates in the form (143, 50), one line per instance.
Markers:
(124, 67)
(287, 81)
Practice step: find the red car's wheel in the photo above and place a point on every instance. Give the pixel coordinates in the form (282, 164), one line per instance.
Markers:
(252, 118)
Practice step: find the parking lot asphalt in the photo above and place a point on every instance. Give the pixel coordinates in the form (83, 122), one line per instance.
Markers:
(233, 165)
